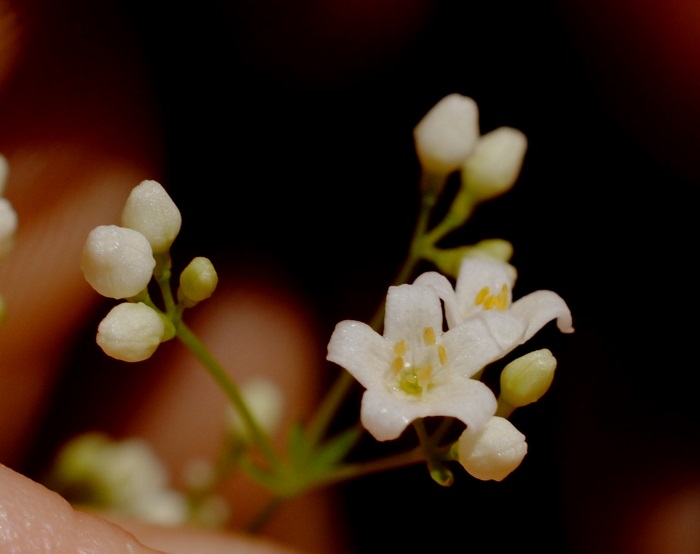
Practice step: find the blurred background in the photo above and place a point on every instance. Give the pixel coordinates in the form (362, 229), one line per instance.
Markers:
(288, 146)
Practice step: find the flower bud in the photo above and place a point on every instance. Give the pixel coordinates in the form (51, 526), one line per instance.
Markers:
(4, 171)
(447, 134)
(8, 227)
(494, 165)
(117, 262)
(525, 380)
(493, 451)
(198, 280)
(130, 332)
(150, 211)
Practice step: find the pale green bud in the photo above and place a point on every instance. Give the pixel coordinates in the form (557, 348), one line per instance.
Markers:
(131, 332)
(449, 261)
(198, 280)
(150, 211)
(117, 262)
(447, 134)
(493, 451)
(494, 165)
(525, 380)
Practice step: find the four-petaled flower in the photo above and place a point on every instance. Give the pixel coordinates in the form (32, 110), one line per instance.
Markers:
(414, 370)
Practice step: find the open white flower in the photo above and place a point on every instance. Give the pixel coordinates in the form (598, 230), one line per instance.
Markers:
(492, 452)
(482, 301)
(414, 370)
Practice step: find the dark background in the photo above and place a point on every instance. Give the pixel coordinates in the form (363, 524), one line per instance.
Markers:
(289, 151)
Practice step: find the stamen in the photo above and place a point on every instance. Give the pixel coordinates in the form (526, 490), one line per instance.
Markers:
(424, 374)
(481, 296)
(442, 354)
(400, 348)
(429, 336)
(397, 365)
(502, 299)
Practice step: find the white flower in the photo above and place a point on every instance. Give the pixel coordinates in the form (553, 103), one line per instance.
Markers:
(117, 262)
(8, 227)
(150, 211)
(130, 332)
(482, 301)
(493, 451)
(447, 134)
(414, 370)
(494, 165)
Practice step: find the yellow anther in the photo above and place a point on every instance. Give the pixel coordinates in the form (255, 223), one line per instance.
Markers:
(442, 354)
(429, 336)
(400, 348)
(481, 296)
(397, 365)
(490, 302)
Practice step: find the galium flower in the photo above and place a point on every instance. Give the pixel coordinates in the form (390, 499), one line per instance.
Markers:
(415, 369)
(131, 332)
(493, 451)
(447, 134)
(150, 211)
(117, 261)
(482, 300)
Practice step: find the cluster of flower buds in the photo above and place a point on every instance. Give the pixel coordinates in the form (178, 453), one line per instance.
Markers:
(448, 139)
(119, 261)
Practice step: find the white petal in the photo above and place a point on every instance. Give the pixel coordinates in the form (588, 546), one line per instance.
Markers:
(442, 286)
(481, 340)
(409, 310)
(386, 414)
(360, 350)
(539, 308)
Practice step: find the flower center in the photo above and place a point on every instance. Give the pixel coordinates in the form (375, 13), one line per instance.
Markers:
(415, 375)
(490, 301)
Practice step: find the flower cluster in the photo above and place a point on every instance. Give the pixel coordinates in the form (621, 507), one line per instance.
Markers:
(423, 356)
(120, 262)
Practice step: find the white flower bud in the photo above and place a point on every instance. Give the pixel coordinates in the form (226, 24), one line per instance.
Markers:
(150, 211)
(525, 380)
(494, 165)
(447, 134)
(116, 261)
(4, 171)
(130, 332)
(8, 226)
(493, 451)
(198, 280)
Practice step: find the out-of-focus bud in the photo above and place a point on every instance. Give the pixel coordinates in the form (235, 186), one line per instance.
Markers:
(131, 332)
(492, 452)
(8, 227)
(447, 134)
(265, 402)
(117, 262)
(494, 165)
(4, 172)
(525, 380)
(197, 281)
(150, 211)
(449, 261)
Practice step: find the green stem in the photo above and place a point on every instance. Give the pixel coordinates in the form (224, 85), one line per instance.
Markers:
(222, 378)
